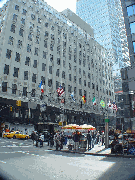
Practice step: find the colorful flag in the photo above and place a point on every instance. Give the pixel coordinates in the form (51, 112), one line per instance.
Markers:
(42, 90)
(60, 91)
(109, 104)
(84, 100)
(114, 106)
(40, 84)
(94, 101)
(102, 103)
(72, 95)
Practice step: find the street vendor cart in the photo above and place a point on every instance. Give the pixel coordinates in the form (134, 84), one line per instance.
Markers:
(83, 142)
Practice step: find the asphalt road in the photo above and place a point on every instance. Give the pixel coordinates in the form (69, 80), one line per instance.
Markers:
(20, 160)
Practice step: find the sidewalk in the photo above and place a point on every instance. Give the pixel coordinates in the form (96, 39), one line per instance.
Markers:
(98, 150)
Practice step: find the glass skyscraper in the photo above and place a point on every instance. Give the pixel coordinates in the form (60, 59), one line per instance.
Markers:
(106, 18)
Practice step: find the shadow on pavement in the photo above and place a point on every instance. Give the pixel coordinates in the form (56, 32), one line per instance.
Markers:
(120, 169)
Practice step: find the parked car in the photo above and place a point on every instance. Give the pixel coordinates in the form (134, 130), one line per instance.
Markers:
(18, 135)
(5, 134)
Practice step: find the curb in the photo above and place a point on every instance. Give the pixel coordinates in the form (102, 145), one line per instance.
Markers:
(96, 154)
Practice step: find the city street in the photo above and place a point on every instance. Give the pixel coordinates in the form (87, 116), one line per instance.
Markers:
(19, 159)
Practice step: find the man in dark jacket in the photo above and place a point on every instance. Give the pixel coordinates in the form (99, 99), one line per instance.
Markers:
(76, 140)
(33, 136)
(89, 140)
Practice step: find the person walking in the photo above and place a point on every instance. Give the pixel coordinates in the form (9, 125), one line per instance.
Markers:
(51, 140)
(76, 140)
(33, 136)
(89, 140)
(102, 138)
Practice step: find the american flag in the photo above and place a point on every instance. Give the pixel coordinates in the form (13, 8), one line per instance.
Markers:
(114, 106)
(60, 91)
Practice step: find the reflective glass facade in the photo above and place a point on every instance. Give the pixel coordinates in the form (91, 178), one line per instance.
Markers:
(107, 20)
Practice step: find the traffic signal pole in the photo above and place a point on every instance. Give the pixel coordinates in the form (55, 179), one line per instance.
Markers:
(106, 132)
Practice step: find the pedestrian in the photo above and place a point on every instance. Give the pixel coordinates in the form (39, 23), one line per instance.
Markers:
(48, 137)
(98, 137)
(37, 139)
(51, 140)
(33, 136)
(76, 140)
(89, 140)
(102, 138)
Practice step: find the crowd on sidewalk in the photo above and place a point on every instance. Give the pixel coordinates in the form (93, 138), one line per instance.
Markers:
(58, 139)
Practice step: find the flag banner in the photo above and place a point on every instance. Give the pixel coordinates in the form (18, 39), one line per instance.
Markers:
(109, 104)
(84, 100)
(114, 106)
(102, 103)
(40, 84)
(72, 95)
(60, 91)
(62, 100)
(94, 101)
(42, 89)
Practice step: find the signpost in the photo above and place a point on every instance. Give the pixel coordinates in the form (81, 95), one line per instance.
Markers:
(106, 133)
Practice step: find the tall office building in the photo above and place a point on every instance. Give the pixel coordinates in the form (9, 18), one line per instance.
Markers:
(107, 20)
(38, 43)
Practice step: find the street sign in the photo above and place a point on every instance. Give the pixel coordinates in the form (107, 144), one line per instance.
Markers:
(107, 120)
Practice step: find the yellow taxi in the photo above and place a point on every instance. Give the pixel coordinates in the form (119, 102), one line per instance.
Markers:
(18, 135)
(5, 134)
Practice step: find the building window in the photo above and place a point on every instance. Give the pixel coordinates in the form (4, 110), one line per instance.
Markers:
(69, 66)
(97, 87)
(33, 92)
(132, 27)
(131, 10)
(84, 73)
(80, 61)
(17, 58)
(74, 90)
(80, 81)
(46, 34)
(57, 84)
(52, 28)
(24, 12)
(14, 88)
(45, 43)
(58, 61)
(19, 45)
(23, 21)
(89, 75)
(34, 78)
(15, 17)
(50, 69)
(16, 72)
(63, 85)
(28, 48)
(39, 20)
(69, 88)
(46, 24)
(92, 86)
(8, 54)
(35, 64)
(33, 17)
(69, 77)
(51, 47)
(75, 58)
(17, 8)
(43, 66)
(63, 74)
(6, 69)
(4, 86)
(21, 32)
(49, 82)
(52, 36)
(74, 79)
(134, 46)
(25, 91)
(12, 28)
(84, 82)
(51, 57)
(10, 41)
(89, 84)
(80, 92)
(79, 70)
(36, 51)
(44, 54)
(43, 80)
(57, 72)
(64, 63)
(69, 56)
(30, 37)
(25, 75)
(27, 61)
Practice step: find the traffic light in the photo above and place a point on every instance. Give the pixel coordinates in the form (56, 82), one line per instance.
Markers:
(10, 108)
(18, 103)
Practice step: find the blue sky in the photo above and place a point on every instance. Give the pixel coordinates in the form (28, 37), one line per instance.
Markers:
(59, 5)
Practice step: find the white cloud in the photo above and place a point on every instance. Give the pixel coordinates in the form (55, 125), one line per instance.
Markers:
(2, 2)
